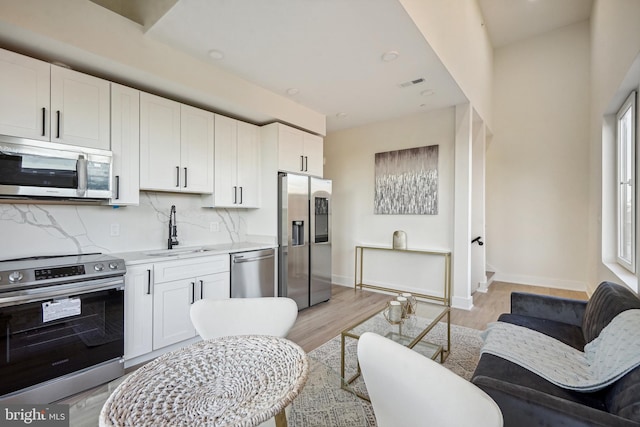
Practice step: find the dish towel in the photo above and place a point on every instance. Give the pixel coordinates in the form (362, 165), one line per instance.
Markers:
(607, 358)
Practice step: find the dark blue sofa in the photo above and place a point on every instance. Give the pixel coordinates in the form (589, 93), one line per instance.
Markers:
(527, 399)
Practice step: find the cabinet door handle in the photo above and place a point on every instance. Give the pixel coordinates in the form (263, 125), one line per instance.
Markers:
(193, 292)
(306, 164)
(148, 282)
(240, 195)
(58, 124)
(44, 121)
(201, 289)
(235, 195)
(185, 177)
(177, 176)
(301, 163)
(117, 187)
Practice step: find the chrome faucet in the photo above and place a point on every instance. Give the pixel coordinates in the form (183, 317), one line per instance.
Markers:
(173, 229)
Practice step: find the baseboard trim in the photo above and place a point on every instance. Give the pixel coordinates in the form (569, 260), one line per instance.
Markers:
(342, 280)
(462, 303)
(483, 287)
(572, 285)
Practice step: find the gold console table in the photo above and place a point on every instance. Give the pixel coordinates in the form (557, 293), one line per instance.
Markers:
(358, 277)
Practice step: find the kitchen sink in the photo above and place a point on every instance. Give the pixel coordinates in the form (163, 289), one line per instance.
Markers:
(175, 252)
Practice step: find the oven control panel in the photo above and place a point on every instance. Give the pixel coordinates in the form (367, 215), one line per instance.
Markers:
(46, 271)
(54, 273)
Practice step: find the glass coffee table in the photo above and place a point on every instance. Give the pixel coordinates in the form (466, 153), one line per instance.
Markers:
(409, 333)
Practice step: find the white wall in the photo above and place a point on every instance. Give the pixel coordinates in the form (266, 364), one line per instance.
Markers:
(538, 161)
(615, 44)
(455, 31)
(350, 164)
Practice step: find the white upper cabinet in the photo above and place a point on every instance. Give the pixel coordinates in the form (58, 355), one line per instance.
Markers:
(248, 170)
(237, 165)
(24, 96)
(225, 186)
(196, 149)
(125, 144)
(80, 107)
(298, 151)
(50, 103)
(176, 146)
(313, 151)
(159, 143)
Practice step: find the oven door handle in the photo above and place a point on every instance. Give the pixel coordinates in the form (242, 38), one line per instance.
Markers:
(40, 294)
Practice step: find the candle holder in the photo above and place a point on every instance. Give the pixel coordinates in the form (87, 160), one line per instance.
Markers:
(412, 302)
(405, 305)
(394, 313)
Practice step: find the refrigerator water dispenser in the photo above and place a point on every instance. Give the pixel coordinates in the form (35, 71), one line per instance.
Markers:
(297, 233)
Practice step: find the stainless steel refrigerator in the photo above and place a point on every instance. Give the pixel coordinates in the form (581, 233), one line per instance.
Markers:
(304, 238)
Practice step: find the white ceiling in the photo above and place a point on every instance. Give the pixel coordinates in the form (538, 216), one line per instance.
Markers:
(330, 51)
(509, 21)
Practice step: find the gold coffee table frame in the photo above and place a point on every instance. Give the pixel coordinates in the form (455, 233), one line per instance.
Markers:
(429, 311)
(409, 333)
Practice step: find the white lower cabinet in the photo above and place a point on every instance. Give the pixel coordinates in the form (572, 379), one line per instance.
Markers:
(215, 286)
(177, 285)
(158, 298)
(138, 314)
(171, 304)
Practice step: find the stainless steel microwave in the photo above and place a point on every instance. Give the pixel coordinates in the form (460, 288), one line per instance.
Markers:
(38, 169)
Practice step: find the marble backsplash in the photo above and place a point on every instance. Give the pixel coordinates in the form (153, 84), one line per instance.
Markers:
(44, 229)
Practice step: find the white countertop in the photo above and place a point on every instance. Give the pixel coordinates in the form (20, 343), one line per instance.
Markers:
(179, 252)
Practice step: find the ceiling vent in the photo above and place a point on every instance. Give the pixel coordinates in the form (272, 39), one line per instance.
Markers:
(412, 82)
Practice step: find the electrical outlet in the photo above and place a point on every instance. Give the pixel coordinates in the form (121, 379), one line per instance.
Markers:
(214, 227)
(115, 230)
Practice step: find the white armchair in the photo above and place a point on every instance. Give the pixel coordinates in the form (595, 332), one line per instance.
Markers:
(244, 316)
(408, 389)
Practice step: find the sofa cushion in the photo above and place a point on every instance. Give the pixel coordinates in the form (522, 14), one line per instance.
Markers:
(608, 300)
(568, 334)
(501, 369)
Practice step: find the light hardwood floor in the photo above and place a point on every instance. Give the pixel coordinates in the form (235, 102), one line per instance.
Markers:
(318, 324)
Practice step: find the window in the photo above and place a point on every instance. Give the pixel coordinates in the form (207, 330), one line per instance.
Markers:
(626, 170)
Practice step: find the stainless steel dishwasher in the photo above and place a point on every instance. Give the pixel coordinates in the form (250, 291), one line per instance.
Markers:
(252, 274)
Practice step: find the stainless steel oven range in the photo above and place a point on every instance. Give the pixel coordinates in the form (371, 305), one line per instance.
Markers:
(61, 325)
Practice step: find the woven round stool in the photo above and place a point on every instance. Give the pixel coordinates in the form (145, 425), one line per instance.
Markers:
(227, 381)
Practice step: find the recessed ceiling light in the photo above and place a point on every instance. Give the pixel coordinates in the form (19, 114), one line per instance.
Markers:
(293, 91)
(427, 92)
(390, 56)
(341, 115)
(216, 54)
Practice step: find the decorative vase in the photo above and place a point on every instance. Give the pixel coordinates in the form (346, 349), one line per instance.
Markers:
(399, 239)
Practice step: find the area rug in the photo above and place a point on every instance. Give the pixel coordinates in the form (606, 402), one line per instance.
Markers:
(323, 403)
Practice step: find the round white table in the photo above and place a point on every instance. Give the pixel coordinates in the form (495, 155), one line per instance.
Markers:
(228, 381)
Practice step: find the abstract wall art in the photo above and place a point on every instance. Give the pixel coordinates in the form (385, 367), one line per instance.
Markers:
(406, 181)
